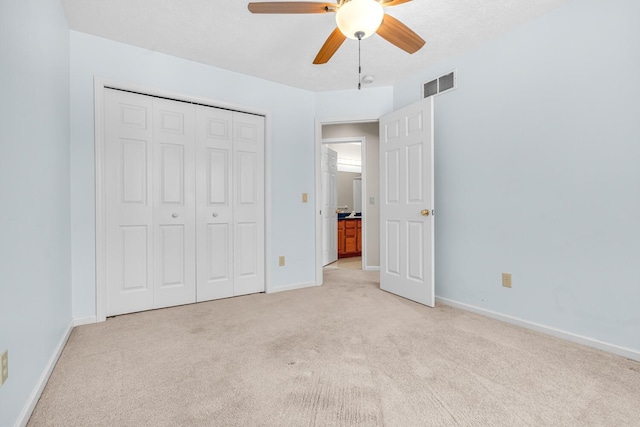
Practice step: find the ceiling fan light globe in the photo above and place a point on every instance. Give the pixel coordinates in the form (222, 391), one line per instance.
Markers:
(359, 16)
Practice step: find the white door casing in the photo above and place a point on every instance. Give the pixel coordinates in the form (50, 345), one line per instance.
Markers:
(329, 205)
(407, 202)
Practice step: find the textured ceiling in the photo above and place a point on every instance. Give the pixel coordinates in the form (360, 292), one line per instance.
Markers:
(281, 48)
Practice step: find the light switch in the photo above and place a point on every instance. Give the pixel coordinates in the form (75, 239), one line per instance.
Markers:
(372, 200)
(304, 197)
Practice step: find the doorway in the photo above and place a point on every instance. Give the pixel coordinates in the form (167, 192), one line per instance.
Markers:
(361, 136)
(343, 176)
(405, 249)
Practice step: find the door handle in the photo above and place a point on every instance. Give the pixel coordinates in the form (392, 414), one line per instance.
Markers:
(174, 215)
(424, 212)
(215, 214)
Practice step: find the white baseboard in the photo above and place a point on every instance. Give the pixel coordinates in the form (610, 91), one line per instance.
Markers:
(579, 339)
(372, 268)
(42, 382)
(290, 287)
(84, 320)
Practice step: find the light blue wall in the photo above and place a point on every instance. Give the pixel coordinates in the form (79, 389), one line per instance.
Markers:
(35, 266)
(371, 102)
(538, 172)
(292, 150)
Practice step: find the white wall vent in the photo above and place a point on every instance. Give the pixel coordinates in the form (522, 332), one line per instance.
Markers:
(444, 83)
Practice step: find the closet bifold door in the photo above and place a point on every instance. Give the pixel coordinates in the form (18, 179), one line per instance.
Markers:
(174, 203)
(128, 185)
(184, 200)
(248, 203)
(214, 207)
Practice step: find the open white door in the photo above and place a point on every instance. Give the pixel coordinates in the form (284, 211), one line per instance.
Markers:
(406, 193)
(329, 202)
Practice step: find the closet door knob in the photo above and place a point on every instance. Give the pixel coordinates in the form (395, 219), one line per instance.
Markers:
(215, 214)
(174, 215)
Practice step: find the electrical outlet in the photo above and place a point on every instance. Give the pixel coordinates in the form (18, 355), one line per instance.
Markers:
(304, 197)
(4, 366)
(281, 261)
(506, 280)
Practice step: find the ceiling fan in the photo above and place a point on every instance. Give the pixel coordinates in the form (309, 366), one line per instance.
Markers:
(356, 19)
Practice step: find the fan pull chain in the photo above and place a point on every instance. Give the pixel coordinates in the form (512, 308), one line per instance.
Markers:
(359, 35)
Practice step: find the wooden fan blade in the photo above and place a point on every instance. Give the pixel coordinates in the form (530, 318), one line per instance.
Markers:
(395, 32)
(291, 7)
(334, 41)
(393, 2)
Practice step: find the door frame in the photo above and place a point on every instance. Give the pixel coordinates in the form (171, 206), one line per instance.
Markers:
(318, 171)
(99, 86)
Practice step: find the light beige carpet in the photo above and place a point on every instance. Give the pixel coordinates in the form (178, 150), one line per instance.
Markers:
(345, 353)
(351, 263)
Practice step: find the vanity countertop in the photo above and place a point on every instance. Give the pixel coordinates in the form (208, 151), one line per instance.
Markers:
(346, 216)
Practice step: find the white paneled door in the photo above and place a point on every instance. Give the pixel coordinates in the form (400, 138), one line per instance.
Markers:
(184, 198)
(174, 203)
(407, 203)
(214, 205)
(129, 200)
(329, 205)
(230, 203)
(248, 203)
